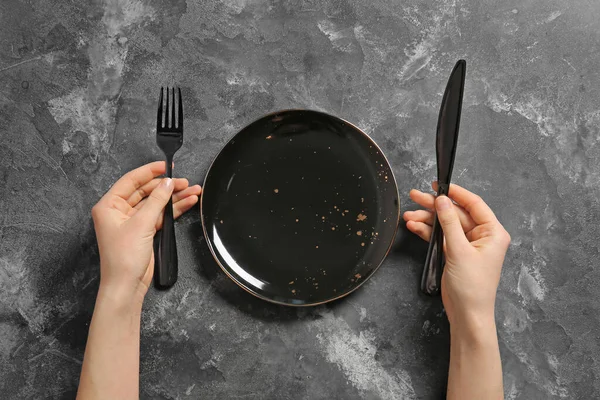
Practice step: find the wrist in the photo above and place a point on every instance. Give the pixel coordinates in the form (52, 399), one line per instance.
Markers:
(474, 329)
(120, 298)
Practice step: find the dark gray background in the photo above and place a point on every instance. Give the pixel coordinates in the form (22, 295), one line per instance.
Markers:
(78, 90)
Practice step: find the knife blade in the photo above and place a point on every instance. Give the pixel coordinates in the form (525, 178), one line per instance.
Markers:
(446, 142)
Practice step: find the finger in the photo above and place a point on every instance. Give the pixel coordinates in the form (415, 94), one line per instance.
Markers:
(187, 192)
(155, 202)
(479, 211)
(419, 216)
(142, 192)
(420, 229)
(137, 178)
(179, 208)
(427, 201)
(182, 206)
(455, 237)
(115, 202)
(192, 190)
(492, 232)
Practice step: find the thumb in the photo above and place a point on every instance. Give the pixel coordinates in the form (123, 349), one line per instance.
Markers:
(453, 231)
(155, 203)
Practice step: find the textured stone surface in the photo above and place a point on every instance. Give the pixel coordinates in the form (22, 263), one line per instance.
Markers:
(78, 86)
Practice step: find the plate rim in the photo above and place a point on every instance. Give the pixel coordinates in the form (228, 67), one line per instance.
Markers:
(241, 284)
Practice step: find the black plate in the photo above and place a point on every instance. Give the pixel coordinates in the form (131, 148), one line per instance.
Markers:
(300, 208)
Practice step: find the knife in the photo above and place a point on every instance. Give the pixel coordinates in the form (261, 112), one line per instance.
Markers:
(445, 145)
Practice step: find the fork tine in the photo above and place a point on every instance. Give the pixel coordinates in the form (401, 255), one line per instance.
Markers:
(173, 108)
(180, 117)
(159, 120)
(167, 124)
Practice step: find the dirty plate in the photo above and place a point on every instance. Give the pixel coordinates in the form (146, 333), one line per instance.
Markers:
(300, 208)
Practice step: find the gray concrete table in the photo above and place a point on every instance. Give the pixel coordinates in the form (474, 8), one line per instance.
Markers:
(78, 90)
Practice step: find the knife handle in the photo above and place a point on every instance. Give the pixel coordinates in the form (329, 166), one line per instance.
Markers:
(431, 280)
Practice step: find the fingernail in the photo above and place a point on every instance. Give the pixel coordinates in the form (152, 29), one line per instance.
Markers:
(443, 203)
(167, 183)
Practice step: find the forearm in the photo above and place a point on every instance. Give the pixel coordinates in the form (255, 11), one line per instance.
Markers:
(475, 366)
(111, 362)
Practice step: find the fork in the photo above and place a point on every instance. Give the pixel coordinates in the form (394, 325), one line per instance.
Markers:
(169, 137)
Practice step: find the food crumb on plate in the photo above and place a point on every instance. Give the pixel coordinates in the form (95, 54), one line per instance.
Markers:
(359, 233)
(357, 276)
(293, 291)
(221, 221)
(269, 137)
(333, 228)
(291, 283)
(363, 244)
(276, 190)
(316, 247)
(297, 220)
(361, 217)
(362, 199)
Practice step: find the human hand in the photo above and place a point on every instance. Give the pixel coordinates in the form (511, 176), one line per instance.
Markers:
(475, 244)
(126, 219)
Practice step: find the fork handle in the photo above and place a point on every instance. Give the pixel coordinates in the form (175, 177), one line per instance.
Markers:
(165, 266)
